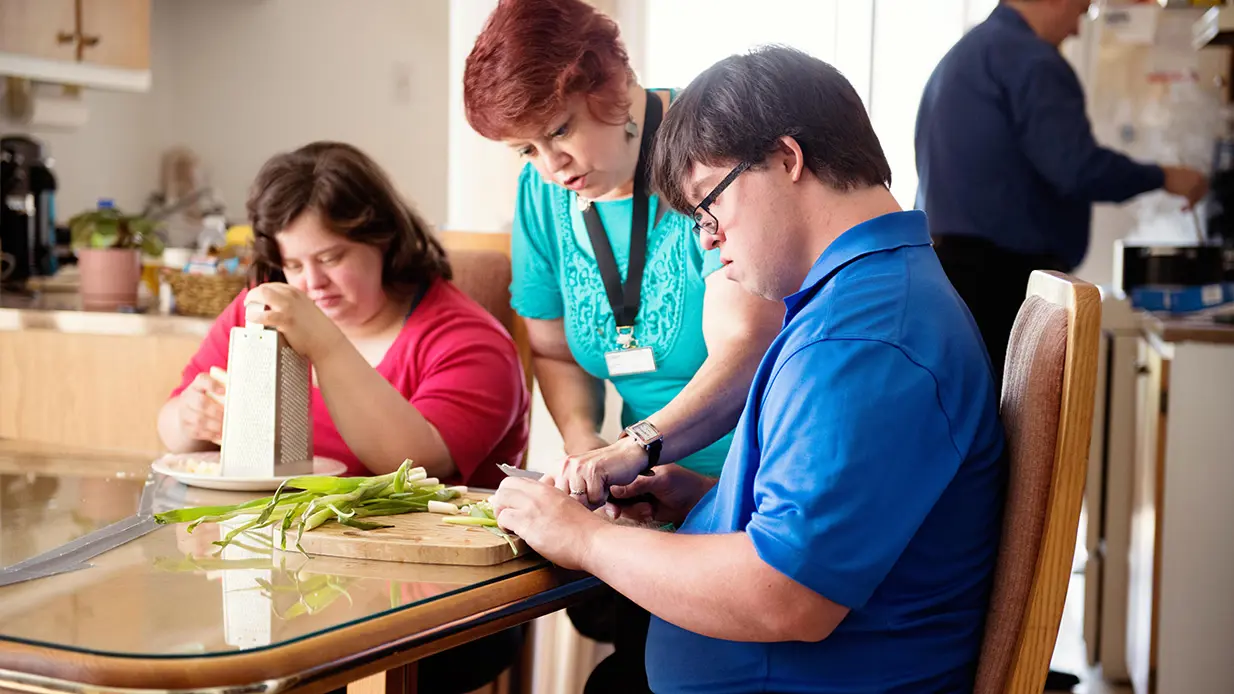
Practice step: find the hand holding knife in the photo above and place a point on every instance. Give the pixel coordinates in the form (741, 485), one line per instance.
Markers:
(512, 471)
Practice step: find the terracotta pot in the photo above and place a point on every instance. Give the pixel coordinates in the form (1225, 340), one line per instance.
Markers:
(109, 277)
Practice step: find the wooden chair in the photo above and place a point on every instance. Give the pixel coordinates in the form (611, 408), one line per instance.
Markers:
(481, 262)
(1047, 409)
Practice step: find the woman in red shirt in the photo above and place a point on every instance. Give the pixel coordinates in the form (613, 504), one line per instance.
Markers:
(404, 364)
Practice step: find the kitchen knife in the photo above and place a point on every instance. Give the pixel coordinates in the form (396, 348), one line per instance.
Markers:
(512, 471)
(519, 472)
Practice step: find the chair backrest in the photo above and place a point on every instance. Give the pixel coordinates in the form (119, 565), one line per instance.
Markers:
(1047, 409)
(482, 271)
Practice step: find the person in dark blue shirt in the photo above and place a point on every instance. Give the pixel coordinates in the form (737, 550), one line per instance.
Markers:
(1008, 168)
(850, 542)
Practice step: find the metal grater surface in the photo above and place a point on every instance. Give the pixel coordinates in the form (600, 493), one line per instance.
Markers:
(294, 418)
(266, 421)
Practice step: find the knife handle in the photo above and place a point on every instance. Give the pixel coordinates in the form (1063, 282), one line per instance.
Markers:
(630, 501)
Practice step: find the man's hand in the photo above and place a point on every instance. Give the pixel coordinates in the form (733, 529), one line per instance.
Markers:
(589, 475)
(551, 522)
(1186, 183)
(676, 489)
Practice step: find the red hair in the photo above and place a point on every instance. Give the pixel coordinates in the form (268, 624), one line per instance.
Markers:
(533, 55)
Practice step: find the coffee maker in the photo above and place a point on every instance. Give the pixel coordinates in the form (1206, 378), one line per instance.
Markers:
(27, 212)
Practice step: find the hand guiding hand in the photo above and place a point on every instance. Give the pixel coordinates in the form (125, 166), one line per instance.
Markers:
(590, 475)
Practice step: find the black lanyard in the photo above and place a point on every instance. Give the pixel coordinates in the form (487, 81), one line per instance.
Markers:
(624, 300)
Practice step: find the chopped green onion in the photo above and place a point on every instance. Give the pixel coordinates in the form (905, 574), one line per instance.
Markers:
(301, 504)
(445, 507)
(469, 520)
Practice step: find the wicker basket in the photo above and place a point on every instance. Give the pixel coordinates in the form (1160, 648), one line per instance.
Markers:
(204, 295)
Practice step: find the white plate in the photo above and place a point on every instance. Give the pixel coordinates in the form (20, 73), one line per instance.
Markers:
(176, 467)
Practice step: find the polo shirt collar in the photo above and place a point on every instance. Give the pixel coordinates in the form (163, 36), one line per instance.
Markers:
(883, 233)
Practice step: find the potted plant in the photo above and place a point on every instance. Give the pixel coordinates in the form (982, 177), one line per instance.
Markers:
(109, 245)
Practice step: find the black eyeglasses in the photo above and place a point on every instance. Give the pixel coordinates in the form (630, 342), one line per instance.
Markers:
(703, 219)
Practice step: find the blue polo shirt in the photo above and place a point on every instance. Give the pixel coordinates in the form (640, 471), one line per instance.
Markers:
(867, 466)
(1005, 151)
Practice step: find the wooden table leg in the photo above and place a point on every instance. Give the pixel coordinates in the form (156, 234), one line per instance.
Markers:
(400, 680)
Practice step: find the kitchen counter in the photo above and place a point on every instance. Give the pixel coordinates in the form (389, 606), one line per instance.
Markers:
(1197, 328)
(62, 312)
(89, 379)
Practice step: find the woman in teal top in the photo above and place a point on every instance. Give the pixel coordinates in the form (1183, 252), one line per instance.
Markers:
(614, 286)
(551, 80)
(556, 278)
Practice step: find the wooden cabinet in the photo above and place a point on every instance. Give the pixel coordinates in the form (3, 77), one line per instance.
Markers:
(93, 43)
(39, 28)
(116, 33)
(90, 391)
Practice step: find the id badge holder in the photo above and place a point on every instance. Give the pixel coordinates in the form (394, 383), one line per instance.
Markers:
(629, 359)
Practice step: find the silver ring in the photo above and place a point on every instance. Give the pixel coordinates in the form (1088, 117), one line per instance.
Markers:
(574, 493)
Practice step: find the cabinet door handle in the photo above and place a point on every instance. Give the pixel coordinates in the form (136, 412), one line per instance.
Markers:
(88, 41)
(1141, 369)
(66, 37)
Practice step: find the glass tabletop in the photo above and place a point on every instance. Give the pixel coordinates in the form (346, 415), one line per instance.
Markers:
(169, 593)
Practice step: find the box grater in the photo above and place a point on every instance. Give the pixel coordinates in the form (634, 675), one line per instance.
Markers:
(267, 424)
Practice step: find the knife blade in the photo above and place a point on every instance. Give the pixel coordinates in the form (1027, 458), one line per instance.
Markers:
(519, 472)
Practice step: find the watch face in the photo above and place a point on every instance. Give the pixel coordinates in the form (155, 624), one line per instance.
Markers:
(644, 432)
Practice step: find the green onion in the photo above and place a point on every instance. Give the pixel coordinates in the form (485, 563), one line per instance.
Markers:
(481, 514)
(443, 507)
(469, 520)
(301, 504)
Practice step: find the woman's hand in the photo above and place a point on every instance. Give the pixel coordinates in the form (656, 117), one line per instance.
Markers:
(588, 476)
(289, 310)
(201, 409)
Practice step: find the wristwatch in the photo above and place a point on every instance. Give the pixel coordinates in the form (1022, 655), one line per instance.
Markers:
(649, 437)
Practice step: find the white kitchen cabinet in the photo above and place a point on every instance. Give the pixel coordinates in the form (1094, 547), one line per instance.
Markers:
(1107, 494)
(1180, 612)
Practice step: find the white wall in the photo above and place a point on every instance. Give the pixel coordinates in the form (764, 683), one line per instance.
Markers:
(256, 78)
(483, 175)
(885, 48)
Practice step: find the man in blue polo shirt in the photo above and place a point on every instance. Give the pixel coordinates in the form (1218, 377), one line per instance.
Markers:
(850, 542)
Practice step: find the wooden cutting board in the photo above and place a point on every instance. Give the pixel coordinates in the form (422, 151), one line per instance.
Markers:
(419, 538)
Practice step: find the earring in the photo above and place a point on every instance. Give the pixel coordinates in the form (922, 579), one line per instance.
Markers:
(631, 129)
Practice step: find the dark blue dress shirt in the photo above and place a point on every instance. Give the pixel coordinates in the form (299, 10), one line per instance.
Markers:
(1005, 151)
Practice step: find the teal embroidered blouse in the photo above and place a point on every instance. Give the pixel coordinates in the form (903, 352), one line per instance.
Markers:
(556, 277)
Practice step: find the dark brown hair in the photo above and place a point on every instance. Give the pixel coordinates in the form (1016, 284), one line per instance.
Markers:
(533, 55)
(738, 109)
(355, 199)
